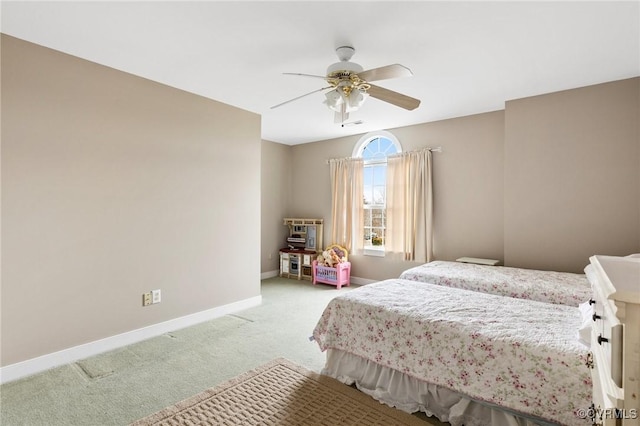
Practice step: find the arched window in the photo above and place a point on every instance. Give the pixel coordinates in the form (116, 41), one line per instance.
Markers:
(374, 148)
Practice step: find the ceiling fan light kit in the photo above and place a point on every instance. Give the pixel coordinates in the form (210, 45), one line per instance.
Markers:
(345, 97)
(350, 85)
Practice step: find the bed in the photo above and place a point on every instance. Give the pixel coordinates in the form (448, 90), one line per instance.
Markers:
(561, 288)
(466, 357)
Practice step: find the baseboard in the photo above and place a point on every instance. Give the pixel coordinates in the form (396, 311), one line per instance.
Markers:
(42, 363)
(269, 274)
(361, 281)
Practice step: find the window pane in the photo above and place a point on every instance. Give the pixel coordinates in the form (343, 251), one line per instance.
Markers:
(367, 218)
(367, 174)
(378, 148)
(368, 185)
(374, 186)
(377, 236)
(379, 195)
(369, 150)
(379, 173)
(377, 217)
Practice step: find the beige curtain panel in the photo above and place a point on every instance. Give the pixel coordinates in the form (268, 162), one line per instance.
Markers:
(410, 206)
(346, 203)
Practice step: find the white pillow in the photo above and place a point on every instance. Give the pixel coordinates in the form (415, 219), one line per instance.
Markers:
(584, 332)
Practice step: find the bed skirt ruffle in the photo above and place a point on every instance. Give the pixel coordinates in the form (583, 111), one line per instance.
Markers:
(411, 395)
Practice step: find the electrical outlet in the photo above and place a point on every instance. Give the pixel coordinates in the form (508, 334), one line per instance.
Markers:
(146, 299)
(156, 296)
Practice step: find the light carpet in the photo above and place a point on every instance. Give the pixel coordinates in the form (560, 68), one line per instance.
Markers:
(280, 393)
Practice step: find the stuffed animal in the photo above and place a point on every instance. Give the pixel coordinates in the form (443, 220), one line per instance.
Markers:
(327, 259)
(335, 259)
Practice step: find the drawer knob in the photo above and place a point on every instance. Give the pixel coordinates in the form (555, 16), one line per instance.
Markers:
(596, 316)
(601, 339)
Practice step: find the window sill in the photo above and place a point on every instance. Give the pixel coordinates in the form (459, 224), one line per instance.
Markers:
(374, 251)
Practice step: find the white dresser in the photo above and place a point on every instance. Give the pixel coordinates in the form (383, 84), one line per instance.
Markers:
(615, 340)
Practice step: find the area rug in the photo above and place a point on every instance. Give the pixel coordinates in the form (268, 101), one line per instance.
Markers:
(280, 393)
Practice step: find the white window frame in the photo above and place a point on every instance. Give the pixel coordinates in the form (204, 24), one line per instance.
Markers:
(358, 150)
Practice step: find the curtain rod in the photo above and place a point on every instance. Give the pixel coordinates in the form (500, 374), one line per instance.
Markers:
(436, 149)
(343, 158)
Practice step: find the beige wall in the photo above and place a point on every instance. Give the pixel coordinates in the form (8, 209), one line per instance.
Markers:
(468, 187)
(276, 183)
(572, 176)
(543, 184)
(112, 186)
(468, 183)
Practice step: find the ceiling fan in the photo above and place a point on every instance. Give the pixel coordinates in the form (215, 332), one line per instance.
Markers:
(349, 85)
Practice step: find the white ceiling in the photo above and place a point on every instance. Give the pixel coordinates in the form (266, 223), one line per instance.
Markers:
(467, 57)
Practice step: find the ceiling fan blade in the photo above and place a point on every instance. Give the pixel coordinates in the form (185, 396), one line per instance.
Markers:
(384, 73)
(395, 98)
(305, 75)
(302, 96)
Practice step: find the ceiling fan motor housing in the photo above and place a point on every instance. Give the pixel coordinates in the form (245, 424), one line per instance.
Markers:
(344, 54)
(344, 66)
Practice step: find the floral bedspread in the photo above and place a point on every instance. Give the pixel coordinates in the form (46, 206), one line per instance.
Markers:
(562, 288)
(518, 354)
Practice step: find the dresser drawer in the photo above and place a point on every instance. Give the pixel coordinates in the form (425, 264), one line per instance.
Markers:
(606, 392)
(607, 336)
